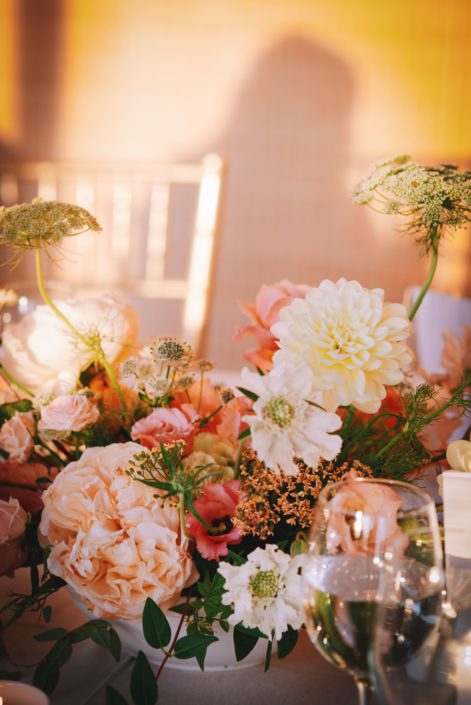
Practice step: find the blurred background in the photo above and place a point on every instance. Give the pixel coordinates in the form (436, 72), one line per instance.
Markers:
(297, 97)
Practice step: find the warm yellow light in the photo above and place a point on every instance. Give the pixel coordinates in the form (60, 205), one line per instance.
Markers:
(203, 243)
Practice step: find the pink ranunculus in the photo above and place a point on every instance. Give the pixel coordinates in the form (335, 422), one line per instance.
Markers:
(167, 425)
(456, 356)
(20, 480)
(112, 540)
(12, 527)
(16, 436)
(229, 421)
(217, 506)
(266, 312)
(68, 412)
(377, 507)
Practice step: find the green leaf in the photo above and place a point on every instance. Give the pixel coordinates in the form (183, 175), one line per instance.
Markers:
(45, 680)
(144, 689)
(157, 631)
(224, 624)
(46, 674)
(251, 631)
(186, 607)
(58, 655)
(51, 634)
(189, 646)
(243, 434)
(113, 697)
(7, 411)
(236, 558)
(288, 641)
(47, 613)
(248, 393)
(243, 643)
(268, 655)
(200, 657)
(109, 639)
(88, 630)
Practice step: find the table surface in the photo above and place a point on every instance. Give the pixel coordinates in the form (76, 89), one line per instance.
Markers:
(303, 678)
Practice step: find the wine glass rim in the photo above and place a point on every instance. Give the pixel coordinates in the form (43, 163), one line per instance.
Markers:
(427, 499)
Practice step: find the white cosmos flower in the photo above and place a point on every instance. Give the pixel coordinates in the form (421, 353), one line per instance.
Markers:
(350, 340)
(40, 352)
(266, 591)
(285, 425)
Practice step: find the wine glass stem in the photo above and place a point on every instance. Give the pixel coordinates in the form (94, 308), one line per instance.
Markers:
(365, 691)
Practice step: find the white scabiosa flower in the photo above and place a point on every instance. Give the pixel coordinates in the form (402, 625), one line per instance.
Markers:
(285, 426)
(351, 341)
(265, 593)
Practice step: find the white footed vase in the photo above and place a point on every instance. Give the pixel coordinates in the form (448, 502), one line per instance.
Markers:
(220, 655)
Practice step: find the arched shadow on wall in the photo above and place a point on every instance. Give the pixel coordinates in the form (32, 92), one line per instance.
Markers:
(287, 211)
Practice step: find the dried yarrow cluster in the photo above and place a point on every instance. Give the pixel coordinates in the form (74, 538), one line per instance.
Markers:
(437, 198)
(273, 497)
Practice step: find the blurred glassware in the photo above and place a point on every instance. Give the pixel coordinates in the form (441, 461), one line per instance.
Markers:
(362, 529)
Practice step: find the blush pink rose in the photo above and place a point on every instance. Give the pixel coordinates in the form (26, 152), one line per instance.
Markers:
(16, 436)
(217, 506)
(378, 528)
(167, 425)
(12, 527)
(20, 480)
(68, 412)
(266, 312)
(112, 540)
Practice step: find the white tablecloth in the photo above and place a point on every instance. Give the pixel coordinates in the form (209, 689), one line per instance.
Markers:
(303, 678)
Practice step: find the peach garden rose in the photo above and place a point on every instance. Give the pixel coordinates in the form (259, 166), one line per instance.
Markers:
(112, 540)
(12, 527)
(16, 436)
(68, 412)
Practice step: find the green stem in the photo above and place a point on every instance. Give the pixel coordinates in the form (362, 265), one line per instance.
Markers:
(182, 515)
(430, 275)
(96, 349)
(431, 417)
(13, 381)
(391, 443)
(47, 300)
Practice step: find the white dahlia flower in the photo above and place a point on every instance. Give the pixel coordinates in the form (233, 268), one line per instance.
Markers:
(351, 341)
(266, 591)
(286, 426)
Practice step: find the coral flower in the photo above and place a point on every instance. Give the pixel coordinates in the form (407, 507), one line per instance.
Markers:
(269, 302)
(217, 506)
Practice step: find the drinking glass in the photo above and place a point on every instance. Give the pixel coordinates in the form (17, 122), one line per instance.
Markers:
(362, 529)
(435, 665)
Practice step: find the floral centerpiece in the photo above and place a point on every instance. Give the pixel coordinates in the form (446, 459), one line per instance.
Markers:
(129, 475)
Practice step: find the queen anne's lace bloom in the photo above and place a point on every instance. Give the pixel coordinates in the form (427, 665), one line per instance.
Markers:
(285, 425)
(266, 591)
(350, 340)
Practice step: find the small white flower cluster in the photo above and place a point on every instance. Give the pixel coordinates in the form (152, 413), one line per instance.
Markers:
(432, 196)
(339, 346)
(266, 591)
(159, 368)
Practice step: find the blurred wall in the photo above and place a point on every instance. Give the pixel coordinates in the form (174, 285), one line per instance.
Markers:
(299, 96)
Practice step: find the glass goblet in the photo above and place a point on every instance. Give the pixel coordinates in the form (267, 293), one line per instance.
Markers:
(361, 527)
